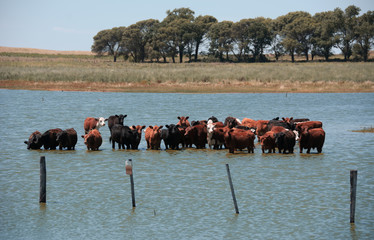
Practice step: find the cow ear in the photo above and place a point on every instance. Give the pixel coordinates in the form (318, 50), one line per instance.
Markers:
(291, 118)
(151, 127)
(143, 126)
(187, 117)
(125, 116)
(283, 119)
(106, 119)
(167, 126)
(179, 118)
(161, 126)
(96, 119)
(133, 127)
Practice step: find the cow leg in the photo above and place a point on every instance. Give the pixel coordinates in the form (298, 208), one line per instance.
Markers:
(308, 151)
(319, 149)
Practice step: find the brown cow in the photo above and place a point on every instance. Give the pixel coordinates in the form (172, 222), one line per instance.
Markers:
(196, 135)
(302, 126)
(268, 142)
(67, 139)
(239, 139)
(34, 141)
(93, 123)
(49, 138)
(261, 128)
(277, 129)
(249, 123)
(183, 122)
(153, 137)
(93, 140)
(139, 129)
(219, 136)
(312, 138)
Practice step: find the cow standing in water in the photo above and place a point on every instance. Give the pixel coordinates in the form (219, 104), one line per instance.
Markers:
(93, 140)
(93, 123)
(34, 141)
(153, 137)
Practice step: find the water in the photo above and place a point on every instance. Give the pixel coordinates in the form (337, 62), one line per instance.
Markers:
(184, 194)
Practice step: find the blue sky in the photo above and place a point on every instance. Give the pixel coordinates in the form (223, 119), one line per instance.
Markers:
(71, 24)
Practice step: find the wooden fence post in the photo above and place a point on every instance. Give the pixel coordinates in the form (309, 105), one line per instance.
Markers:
(128, 166)
(43, 181)
(353, 178)
(232, 189)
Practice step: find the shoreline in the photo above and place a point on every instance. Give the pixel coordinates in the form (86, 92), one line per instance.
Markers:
(247, 87)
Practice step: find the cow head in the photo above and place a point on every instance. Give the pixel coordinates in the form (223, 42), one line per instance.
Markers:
(183, 121)
(100, 122)
(121, 118)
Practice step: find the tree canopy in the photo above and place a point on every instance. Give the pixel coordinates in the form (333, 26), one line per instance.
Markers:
(180, 34)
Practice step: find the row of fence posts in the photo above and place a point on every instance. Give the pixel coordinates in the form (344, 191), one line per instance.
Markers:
(129, 166)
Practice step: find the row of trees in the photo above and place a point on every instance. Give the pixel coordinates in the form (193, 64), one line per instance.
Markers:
(181, 34)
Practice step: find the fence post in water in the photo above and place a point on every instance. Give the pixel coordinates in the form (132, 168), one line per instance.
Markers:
(232, 189)
(43, 181)
(353, 177)
(128, 166)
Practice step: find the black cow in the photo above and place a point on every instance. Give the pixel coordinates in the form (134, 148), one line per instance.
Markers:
(213, 118)
(285, 141)
(34, 141)
(123, 135)
(281, 123)
(171, 136)
(231, 122)
(116, 119)
(67, 139)
(49, 138)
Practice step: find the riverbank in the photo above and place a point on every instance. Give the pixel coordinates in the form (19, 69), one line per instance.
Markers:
(85, 72)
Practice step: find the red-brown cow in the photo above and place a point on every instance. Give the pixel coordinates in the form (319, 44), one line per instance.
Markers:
(302, 126)
(153, 137)
(183, 122)
(197, 135)
(93, 123)
(219, 136)
(261, 128)
(277, 129)
(93, 140)
(240, 139)
(312, 138)
(268, 142)
(34, 141)
(49, 138)
(249, 123)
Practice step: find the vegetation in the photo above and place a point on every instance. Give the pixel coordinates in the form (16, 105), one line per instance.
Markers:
(299, 33)
(90, 73)
(365, 130)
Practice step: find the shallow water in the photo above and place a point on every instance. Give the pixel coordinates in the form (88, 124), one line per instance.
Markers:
(184, 194)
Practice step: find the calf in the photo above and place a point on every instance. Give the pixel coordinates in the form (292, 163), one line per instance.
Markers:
(67, 139)
(49, 138)
(93, 123)
(285, 141)
(239, 139)
(34, 141)
(139, 129)
(153, 137)
(312, 138)
(268, 142)
(93, 140)
(116, 119)
(171, 136)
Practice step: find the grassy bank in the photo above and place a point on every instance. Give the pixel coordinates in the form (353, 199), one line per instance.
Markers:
(89, 73)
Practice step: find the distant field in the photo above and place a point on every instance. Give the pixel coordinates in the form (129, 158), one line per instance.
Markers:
(82, 71)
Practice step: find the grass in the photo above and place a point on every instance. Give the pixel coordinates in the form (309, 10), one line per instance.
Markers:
(365, 130)
(90, 73)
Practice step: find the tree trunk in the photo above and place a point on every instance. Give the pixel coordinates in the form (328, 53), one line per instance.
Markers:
(180, 55)
(114, 58)
(196, 50)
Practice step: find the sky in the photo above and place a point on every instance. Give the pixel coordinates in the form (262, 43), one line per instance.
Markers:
(70, 25)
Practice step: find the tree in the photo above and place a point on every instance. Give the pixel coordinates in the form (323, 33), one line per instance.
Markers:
(241, 38)
(296, 29)
(220, 35)
(324, 37)
(364, 35)
(347, 21)
(260, 35)
(108, 41)
(201, 27)
(137, 36)
(178, 27)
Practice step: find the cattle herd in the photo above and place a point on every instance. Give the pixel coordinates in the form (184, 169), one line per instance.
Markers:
(232, 134)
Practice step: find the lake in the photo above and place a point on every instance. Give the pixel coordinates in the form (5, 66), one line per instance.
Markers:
(185, 194)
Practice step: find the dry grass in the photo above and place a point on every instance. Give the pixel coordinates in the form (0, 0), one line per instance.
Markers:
(89, 73)
(365, 130)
